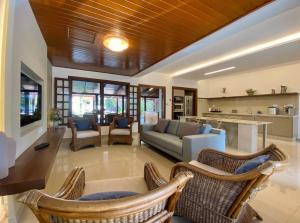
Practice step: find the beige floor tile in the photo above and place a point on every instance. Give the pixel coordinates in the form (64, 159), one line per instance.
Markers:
(278, 203)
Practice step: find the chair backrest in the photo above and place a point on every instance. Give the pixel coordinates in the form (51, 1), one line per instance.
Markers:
(225, 195)
(91, 119)
(154, 206)
(130, 119)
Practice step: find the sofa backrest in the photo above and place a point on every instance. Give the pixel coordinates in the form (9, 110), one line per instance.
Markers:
(173, 127)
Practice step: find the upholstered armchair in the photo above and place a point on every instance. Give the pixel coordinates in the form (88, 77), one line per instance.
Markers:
(216, 194)
(153, 203)
(85, 132)
(120, 130)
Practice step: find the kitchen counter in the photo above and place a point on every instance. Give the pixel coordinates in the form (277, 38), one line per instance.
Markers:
(236, 121)
(246, 114)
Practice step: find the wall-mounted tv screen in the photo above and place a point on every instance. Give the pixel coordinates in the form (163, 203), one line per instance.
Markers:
(31, 100)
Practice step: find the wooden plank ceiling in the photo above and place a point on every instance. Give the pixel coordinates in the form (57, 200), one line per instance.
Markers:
(74, 29)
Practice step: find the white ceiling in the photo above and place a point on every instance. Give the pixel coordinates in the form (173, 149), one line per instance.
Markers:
(276, 20)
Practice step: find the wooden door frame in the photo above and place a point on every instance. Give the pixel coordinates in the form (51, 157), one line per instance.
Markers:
(195, 90)
(139, 99)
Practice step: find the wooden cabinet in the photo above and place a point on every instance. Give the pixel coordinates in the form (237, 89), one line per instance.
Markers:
(283, 126)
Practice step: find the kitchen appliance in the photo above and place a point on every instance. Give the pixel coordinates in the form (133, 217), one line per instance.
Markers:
(178, 107)
(178, 99)
(289, 109)
(188, 102)
(273, 110)
(283, 89)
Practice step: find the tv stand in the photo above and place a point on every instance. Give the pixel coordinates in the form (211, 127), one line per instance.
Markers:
(32, 169)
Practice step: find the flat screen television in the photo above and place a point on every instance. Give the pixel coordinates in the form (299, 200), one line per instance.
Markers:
(31, 100)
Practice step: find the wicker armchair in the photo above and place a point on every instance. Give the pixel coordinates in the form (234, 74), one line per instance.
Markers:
(156, 205)
(213, 197)
(123, 135)
(81, 139)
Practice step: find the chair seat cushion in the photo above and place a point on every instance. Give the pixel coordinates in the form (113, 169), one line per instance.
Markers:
(122, 123)
(87, 134)
(107, 195)
(209, 168)
(134, 184)
(252, 164)
(120, 132)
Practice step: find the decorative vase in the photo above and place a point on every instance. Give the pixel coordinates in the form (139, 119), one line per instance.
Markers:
(3, 156)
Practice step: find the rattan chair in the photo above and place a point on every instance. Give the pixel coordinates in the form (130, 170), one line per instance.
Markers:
(123, 135)
(156, 205)
(214, 197)
(81, 139)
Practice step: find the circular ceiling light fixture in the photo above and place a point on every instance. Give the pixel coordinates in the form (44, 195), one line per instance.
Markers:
(116, 43)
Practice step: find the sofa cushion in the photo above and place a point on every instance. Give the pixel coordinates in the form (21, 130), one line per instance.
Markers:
(205, 129)
(101, 196)
(83, 124)
(87, 134)
(172, 127)
(122, 123)
(165, 140)
(252, 164)
(187, 128)
(209, 168)
(161, 125)
(120, 132)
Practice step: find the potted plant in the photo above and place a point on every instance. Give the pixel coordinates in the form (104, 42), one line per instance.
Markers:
(54, 117)
(250, 92)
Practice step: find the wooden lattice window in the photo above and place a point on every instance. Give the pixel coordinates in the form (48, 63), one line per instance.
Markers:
(62, 98)
(133, 102)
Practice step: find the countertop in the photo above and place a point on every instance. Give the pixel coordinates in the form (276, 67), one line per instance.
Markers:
(237, 121)
(246, 114)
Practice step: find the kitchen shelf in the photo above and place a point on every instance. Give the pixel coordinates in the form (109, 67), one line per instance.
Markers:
(253, 96)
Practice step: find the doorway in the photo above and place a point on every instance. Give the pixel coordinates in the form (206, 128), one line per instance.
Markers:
(184, 102)
(151, 102)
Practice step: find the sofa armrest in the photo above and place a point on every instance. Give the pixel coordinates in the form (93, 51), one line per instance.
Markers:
(192, 145)
(147, 127)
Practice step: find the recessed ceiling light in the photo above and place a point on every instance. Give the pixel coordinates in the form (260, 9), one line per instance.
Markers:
(219, 71)
(116, 43)
(247, 51)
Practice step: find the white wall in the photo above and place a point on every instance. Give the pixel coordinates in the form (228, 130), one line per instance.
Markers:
(262, 80)
(25, 44)
(65, 72)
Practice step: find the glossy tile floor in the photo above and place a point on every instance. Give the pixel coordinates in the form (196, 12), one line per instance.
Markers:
(278, 203)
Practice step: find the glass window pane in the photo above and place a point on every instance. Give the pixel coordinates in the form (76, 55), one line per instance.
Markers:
(59, 98)
(66, 105)
(78, 86)
(115, 89)
(66, 83)
(59, 83)
(110, 104)
(66, 113)
(66, 90)
(59, 90)
(83, 104)
(85, 87)
(59, 105)
(66, 98)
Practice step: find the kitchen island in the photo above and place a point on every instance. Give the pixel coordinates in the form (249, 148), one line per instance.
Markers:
(242, 134)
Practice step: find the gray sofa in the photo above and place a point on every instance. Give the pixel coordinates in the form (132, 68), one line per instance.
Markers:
(185, 149)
